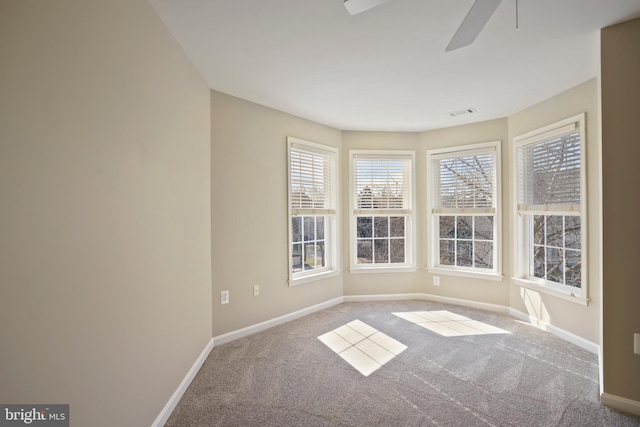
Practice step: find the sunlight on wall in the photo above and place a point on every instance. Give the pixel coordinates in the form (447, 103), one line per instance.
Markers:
(362, 346)
(449, 324)
(535, 306)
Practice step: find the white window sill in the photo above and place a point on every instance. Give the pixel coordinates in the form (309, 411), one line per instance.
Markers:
(381, 269)
(312, 277)
(543, 289)
(496, 277)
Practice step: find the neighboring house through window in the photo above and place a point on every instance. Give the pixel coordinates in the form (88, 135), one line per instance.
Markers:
(312, 210)
(382, 220)
(551, 208)
(464, 209)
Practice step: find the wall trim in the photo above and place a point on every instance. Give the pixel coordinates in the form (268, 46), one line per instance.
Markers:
(382, 297)
(428, 297)
(468, 303)
(259, 327)
(164, 415)
(620, 403)
(566, 335)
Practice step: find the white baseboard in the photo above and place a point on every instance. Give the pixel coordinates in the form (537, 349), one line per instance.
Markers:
(382, 297)
(427, 297)
(567, 336)
(177, 395)
(620, 403)
(240, 333)
(468, 303)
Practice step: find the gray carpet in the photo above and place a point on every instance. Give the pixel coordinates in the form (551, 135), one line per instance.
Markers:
(286, 376)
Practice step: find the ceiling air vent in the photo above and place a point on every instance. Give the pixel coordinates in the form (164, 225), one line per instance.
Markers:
(462, 112)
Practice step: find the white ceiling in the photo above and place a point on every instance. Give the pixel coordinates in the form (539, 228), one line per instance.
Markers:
(386, 69)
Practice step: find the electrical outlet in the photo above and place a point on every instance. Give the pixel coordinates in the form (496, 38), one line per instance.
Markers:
(256, 290)
(224, 297)
(636, 344)
(436, 280)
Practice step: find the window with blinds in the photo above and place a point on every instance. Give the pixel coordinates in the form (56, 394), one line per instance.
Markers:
(312, 210)
(382, 217)
(311, 175)
(550, 207)
(381, 183)
(463, 186)
(549, 171)
(465, 180)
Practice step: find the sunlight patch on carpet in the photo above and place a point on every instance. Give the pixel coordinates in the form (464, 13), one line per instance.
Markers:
(449, 324)
(362, 346)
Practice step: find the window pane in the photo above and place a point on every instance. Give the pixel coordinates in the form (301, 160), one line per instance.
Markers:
(538, 229)
(463, 252)
(397, 250)
(447, 252)
(320, 258)
(381, 224)
(310, 257)
(555, 265)
(364, 227)
(464, 227)
(397, 226)
(483, 228)
(484, 254)
(447, 227)
(381, 247)
(320, 228)
(572, 232)
(538, 262)
(573, 268)
(364, 251)
(555, 231)
(296, 257)
(309, 228)
(296, 225)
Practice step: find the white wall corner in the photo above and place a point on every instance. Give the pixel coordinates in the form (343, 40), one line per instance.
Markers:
(620, 403)
(566, 335)
(177, 395)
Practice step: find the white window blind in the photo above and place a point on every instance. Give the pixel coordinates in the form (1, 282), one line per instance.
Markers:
(382, 183)
(549, 173)
(311, 180)
(464, 181)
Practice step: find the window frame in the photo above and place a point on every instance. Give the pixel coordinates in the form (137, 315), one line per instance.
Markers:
(330, 213)
(408, 212)
(434, 213)
(523, 234)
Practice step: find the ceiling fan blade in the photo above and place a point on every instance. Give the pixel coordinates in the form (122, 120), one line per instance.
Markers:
(473, 23)
(358, 6)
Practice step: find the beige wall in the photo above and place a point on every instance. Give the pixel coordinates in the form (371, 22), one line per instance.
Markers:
(620, 69)
(249, 213)
(580, 320)
(104, 217)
